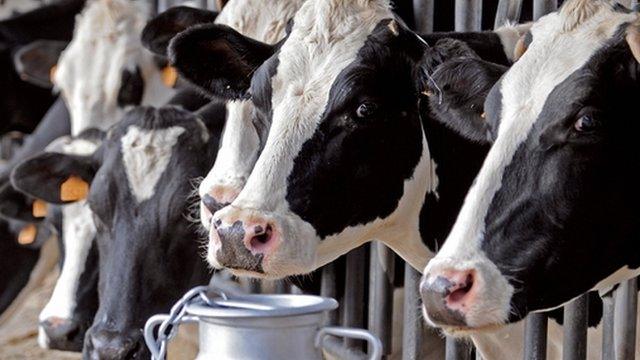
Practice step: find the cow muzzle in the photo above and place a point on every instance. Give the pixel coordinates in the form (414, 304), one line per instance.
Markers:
(114, 345)
(244, 245)
(63, 334)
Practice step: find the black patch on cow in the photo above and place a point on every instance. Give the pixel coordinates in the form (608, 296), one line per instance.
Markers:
(131, 88)
(594, 309)
(566, 214)
(486, 44)
(232, 59)
(352, 170)
(159, 31)
(233, 254)
(148, 250)
(458, 91)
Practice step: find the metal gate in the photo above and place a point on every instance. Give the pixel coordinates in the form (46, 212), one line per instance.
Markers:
(367, 302)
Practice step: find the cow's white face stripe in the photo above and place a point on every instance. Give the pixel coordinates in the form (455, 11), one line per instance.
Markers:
(240, 142)
(106, 41)
(69, 145)
(557, 51)
(146, 155)
(78, 232)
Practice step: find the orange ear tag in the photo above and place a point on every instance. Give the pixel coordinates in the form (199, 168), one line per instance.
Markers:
(74, 189)
(52, 72)
(27, 234)
(169, 76)
(39, 209)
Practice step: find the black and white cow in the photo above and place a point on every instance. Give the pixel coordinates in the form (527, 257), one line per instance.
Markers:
(141, 182)
(23, 105)
(553, 211)
(102, 72)
(314, 202)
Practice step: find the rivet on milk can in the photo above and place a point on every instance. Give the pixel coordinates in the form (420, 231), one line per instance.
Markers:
(254, 326)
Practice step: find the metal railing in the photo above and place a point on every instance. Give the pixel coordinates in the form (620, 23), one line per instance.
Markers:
(372, 300)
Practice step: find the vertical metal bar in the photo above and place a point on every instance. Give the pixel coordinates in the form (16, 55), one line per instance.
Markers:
(608, 314)
(423, 15)
(254, 286)
(468, 15)
(413, 325)
(508, 11)
(328, 289)
(574, 344)
(626, 322)
(381, 274)
(535, 337)
(457, 349)
(354, 297)
(543, 7)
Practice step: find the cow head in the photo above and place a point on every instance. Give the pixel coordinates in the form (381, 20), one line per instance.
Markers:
(553, 211)
(140, 185)
(345, 159)
(244, 133)
(105, 69)
(74, 301)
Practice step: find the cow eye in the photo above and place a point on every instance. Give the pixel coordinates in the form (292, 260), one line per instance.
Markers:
(366, 109)
(586, 123)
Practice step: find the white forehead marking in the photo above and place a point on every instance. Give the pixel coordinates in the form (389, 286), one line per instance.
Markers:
(69, 145)
(326, 37)
(554, 54)
(146, 155)
(106, 41)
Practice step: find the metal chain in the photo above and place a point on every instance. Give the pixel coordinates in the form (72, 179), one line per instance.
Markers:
(169, 327)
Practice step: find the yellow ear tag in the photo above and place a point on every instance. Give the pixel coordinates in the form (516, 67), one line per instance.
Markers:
(52, 72)
(74, 189)
(39, 209)
(27, 234)
(169, 76)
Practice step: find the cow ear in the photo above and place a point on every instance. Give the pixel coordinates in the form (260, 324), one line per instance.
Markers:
(35, 62)
(231, 59)
(15, 205)
(161, 29)
(457, 91)
(55, 178)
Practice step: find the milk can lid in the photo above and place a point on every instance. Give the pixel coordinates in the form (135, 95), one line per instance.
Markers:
(262, 305)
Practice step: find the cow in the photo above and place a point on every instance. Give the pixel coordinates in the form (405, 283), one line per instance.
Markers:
(16, 210)
(100, 74)
(221, 78)
(243, 133)
(553, 211)
(148, 248)
(23, 105)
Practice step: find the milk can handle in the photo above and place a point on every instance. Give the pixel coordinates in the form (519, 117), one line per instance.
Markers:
(376, 344)
(157, 349)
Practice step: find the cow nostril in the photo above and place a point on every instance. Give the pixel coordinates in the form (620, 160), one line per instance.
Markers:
(212, 204)
(458, 294)
(262, 236)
